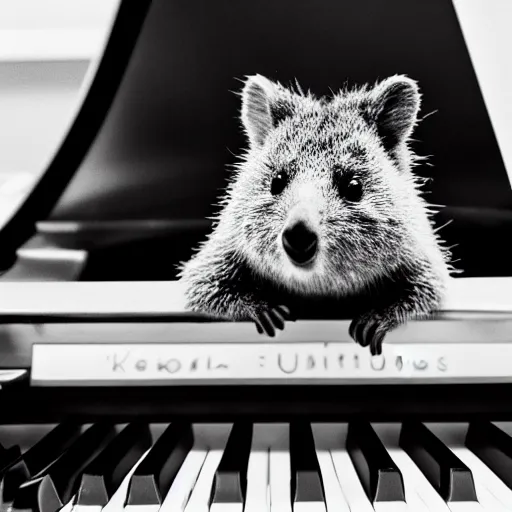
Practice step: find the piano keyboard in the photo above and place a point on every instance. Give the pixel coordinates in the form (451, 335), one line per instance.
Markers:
(245, 467)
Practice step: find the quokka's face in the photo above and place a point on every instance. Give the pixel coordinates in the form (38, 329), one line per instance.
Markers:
(318, 190)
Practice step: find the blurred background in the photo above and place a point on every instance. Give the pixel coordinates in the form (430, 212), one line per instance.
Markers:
(46, 48)
(153, 149)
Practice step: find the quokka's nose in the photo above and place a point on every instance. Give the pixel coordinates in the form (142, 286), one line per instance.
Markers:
(300, 243)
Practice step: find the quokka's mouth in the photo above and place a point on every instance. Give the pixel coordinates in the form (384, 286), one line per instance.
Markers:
(302, 260)
(304, 264)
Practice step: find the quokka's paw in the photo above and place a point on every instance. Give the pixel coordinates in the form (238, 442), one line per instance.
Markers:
(371, 329)
(269, 319)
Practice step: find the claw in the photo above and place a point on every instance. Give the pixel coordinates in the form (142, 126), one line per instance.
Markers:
(283, 310)
(267, 324)
(376, 345)
(370, 331)
(268, 321)
(361, 338)
(277, 319)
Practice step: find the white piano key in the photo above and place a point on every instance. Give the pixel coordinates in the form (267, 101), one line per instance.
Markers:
(412, 498)
(334, 498)
(332, 437)
(280, 470)
(419, 491)
(348, 478)
(484, 477)
(257, 496)
(389, 434)
(210, 439)
(183, 485)
(391, 506)
(201, 493)
(68, 507)
(489, 487)
(326, 438)
(257, 499)
(424, 489)
(207, 437)
(226, 507)
(462, 506)
(488, 501)
(351, 486)
(309, 506)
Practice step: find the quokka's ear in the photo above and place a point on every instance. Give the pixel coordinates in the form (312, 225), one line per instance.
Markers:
(264, 105)
(393, 105)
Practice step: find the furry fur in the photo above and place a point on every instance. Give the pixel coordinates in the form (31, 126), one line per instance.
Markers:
(381, 245)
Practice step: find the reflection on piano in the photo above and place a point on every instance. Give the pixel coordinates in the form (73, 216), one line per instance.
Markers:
(114, 396)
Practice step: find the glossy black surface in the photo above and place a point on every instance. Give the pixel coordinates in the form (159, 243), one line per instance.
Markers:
(493, 447)
(101, 478)
(153, 477)
(306, 479)
(53, 487)
(380, 476)
(230, 481)
(449, 476)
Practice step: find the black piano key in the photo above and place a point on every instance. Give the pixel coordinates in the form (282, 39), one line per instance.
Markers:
(230, 481)
(493, 447)
(8, 456)
(379, 475)
(306, 479)
(52, 488)
(449, 476)
(36, 458)
(103, 476)
(154, 476)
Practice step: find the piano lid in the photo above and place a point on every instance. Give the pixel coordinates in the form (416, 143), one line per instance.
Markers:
(152, 143)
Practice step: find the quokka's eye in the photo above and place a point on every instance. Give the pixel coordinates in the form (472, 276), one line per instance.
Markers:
(279, 183)
(350, 189)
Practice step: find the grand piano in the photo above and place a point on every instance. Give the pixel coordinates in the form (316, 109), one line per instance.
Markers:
(114, 396)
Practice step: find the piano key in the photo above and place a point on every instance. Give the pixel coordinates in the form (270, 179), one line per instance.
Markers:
(486, 482)
(207, 437)
(151, 481)
(326, 438)
(37, 457)
(280, 470)
(334, 498)
(378, 473)
(493, 446)
(230, 481)
(484, 477)
(116, 503)
(351, 486)
(257, 496)
(306, 482)
(200, 497)
(415, 483)
(101, 478)
(52, 488)
(185, 481)
(451, 478)
(424, 488)
(8, 456)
